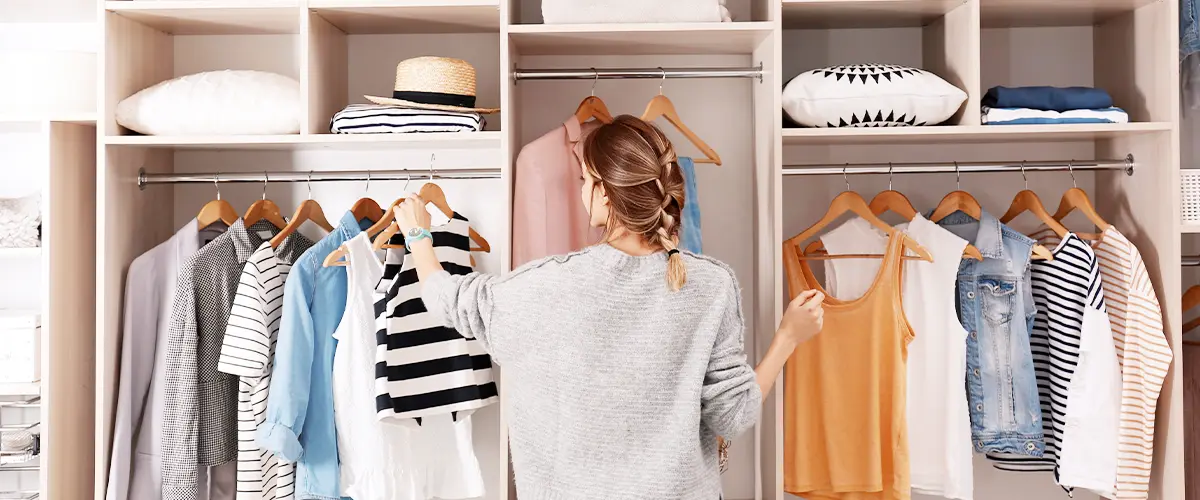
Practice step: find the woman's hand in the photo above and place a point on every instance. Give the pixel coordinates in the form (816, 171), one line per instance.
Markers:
(412, 213)
(803, 318)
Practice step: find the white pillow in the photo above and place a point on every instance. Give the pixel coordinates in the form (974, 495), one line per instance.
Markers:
(229, 102)
(870, 95)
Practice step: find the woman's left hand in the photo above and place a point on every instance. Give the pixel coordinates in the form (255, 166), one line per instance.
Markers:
(412, 213)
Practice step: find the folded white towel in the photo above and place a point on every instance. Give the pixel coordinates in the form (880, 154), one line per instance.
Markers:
(633, 11)
(1025, 116)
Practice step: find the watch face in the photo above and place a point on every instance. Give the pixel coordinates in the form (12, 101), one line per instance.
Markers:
(414, 232)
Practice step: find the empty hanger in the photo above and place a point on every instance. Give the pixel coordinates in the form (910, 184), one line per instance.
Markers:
(1076, 198)
(592, 106)
(1028, 201)
(366, 208)
(217, 210)
(389, 215)
(1191, 299)
(960, 200)
(264, 209)
(850, 201)
(308, 210)
(660, 105)
(431, 193)
(895, 202)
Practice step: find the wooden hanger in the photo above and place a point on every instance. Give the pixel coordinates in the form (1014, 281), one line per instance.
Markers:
(308, 210)
(334, 259)
(1076, 198)
(660, 105)
(1191, 299)
(1028, 201)
(431, 193)
(954, 202)
(850, 201)
(264, 209)
(217, 210)
(593, 107)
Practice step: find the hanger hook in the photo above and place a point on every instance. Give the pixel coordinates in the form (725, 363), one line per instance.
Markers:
(663, 81)
(310, 172)
(217, 184)
(1071, 169)
(367, 191)
(407, 179)
(846, 177)
(889, 176)
(595, 80)
(266, 179)
(432, 157)
(957, 177)
(1026, 179)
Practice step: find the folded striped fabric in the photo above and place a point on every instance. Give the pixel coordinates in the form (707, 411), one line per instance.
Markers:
(1026, 116)
(376, 119)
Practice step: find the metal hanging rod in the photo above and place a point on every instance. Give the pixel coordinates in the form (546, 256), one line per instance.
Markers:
(415, 174)
(629, 73)
(1191, 261)
(1126, 164)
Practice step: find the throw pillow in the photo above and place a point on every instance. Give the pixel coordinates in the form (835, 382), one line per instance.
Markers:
(229, 102)
(870, 95)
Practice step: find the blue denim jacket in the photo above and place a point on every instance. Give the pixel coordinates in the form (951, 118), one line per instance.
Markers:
(995, 305)
(1189, 29)
(299, 425)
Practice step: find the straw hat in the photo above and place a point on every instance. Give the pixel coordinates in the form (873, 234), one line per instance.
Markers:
(439, 83)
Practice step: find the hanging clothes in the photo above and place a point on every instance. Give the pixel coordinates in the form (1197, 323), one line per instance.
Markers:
(199, 422)
(995, 305)
(299, 423)
(134, 470)
(247, 351)
(939, 423)
(1145, 356)
(424, 368)
(690, 238)
(548, 215)
(1076, 363)
(845, 433)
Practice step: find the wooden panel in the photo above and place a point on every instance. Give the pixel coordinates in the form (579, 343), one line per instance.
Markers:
(1135, 61)
(951, 50)
(326, 79)
(211, 17)
(631, 39)
(407, 16)
(69, 315)
(510, 146)
(809, 14)
(130, 222)
(314, 141)
(136, 57)
(1012, 13)
(969, 133)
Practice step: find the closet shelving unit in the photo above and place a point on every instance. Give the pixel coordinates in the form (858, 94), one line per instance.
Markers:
(341, 49)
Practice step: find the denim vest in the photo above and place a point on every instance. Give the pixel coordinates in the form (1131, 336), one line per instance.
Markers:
(1189, 29)
(995, 304)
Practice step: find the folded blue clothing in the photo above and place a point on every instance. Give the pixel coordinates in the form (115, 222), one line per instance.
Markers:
(1026, 116)
(1047, 98)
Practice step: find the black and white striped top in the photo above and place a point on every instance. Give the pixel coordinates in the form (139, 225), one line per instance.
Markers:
(422, 367)
(1063, 289)
(248, 351)
(376, 119)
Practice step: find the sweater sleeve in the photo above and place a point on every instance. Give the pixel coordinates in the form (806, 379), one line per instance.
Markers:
(730, 401)
(465, 303)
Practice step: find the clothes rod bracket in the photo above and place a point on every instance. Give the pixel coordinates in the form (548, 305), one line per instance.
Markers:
(416, 174)
(636, 73)
(1124, 164)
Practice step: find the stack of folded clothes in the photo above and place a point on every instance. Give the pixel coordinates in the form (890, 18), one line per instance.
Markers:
(1043, 105)
(380, 119)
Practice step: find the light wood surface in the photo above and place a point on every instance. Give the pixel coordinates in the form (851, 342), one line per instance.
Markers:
(349, 142)
(969, 133)
(326, 86)
(816, 14)
(634, 39)
(407, 16)
(1030, 13)
(211, 17)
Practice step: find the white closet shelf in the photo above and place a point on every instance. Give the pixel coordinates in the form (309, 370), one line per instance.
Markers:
(637, 39)
(968, 134)
(1031, 13)
(20, 388)
(212, 17)
(410, 16)
(448, 140)
(826, 14)
(77, 118)
(1190, 228)
(20, 253)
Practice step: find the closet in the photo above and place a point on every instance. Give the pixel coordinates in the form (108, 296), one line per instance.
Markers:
(725, 79)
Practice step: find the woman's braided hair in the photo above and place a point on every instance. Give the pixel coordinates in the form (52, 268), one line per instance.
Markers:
(640, 173)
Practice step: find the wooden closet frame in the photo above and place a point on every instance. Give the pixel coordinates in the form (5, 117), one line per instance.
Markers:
(1135, 44)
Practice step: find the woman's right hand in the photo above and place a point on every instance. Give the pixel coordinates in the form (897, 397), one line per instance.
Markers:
(803, 318)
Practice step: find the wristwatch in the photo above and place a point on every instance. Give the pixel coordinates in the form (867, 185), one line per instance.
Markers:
(416, 234)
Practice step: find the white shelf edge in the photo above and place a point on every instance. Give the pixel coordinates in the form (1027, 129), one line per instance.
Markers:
(1189, 228)
(638, 28)
(168, 5)
(13, 253)
(20, 388)
(331, 141)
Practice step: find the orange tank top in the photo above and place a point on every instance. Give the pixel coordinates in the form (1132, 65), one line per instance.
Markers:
(844, 392)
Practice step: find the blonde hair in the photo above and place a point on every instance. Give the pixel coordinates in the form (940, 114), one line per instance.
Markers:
(640, 173)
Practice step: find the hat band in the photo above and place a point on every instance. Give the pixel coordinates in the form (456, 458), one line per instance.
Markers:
(462, 101)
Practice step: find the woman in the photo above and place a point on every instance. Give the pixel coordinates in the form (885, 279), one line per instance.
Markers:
(622, 361)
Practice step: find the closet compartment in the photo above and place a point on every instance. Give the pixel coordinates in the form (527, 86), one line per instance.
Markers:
(150, 41)
(353, 49)
(939, 36)
(625, 12)
(1102, 45)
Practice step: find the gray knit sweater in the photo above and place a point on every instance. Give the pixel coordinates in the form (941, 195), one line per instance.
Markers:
(614, 386)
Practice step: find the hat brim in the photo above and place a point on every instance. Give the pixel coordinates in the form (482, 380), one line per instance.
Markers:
(388, 101)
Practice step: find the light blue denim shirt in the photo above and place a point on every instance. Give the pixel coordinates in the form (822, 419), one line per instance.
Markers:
(689, 234)
(299, 425)
(1189, 29)
(995, 305)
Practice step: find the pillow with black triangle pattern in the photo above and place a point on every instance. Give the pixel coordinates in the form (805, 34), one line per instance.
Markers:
(870, 95)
